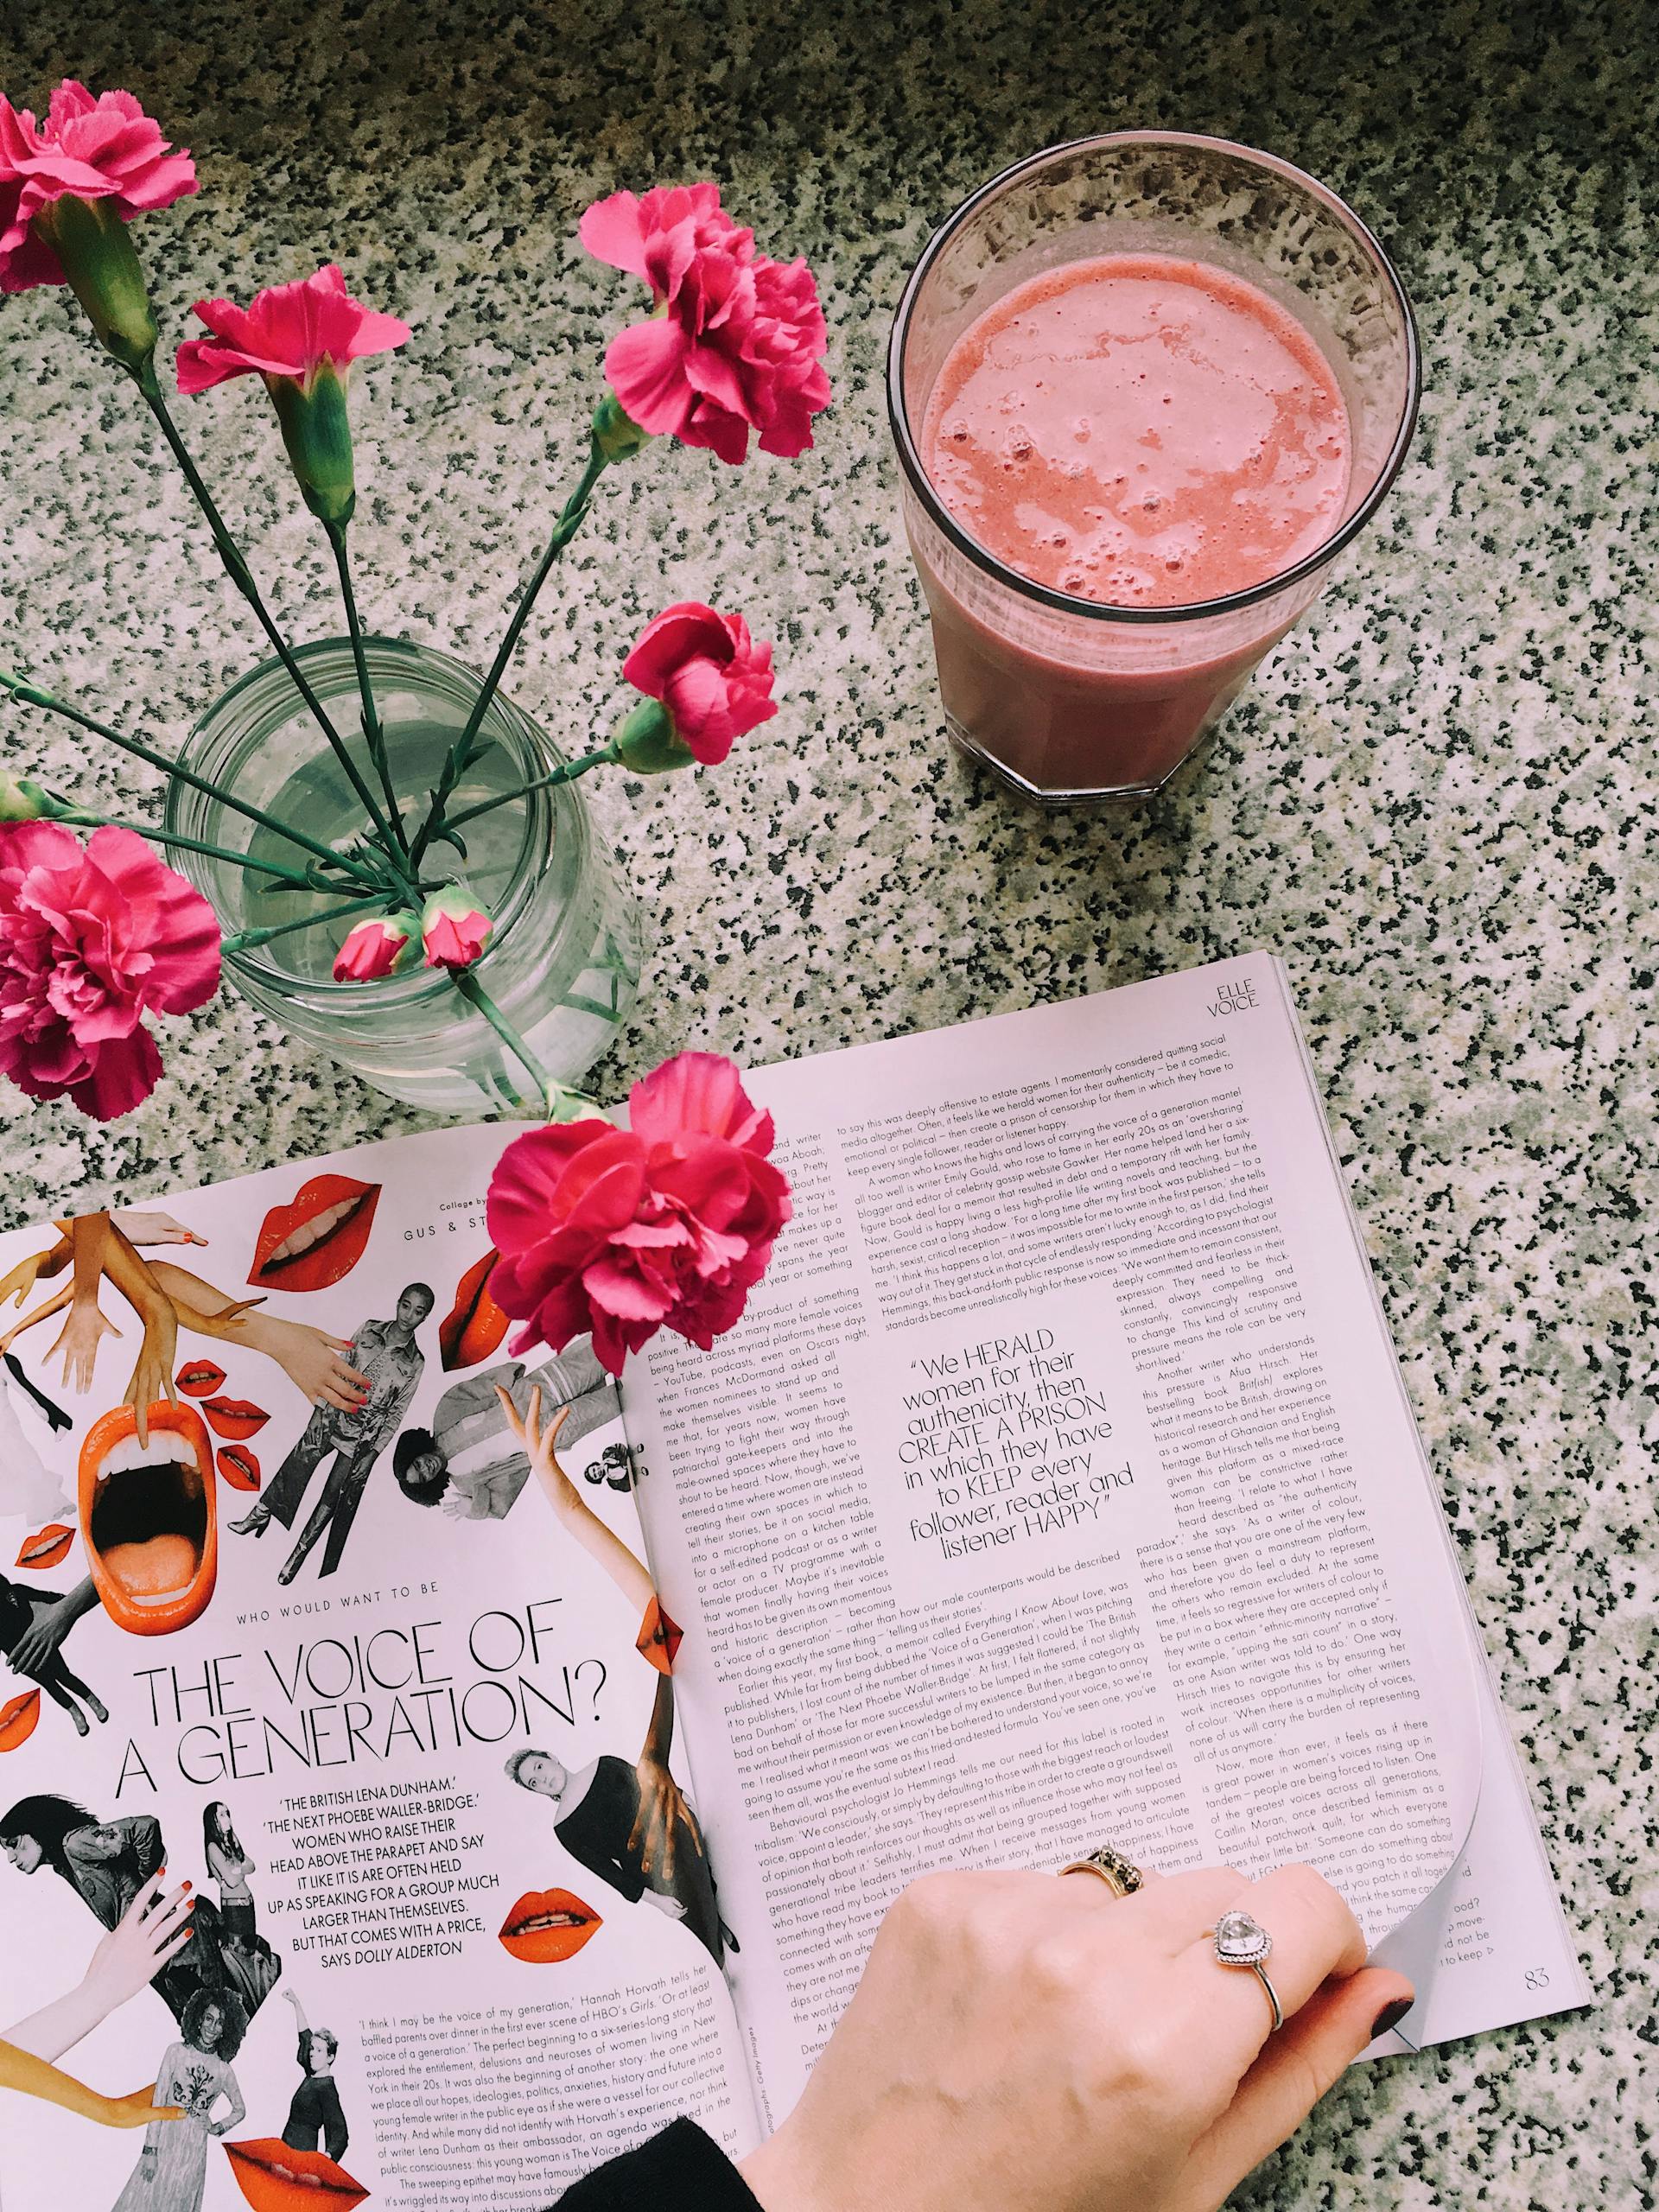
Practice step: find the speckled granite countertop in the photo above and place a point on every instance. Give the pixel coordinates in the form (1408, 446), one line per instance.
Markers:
(1438, 802)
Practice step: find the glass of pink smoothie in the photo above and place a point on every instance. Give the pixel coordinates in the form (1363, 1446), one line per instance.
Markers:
(1145, 388)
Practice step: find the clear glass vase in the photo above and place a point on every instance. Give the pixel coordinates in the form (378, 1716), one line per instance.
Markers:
(564, 965)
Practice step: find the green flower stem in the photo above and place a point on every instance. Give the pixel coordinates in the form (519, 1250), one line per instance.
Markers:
(567, 774)
(241, 577)
(81, 817)
(247, 940)
(372, 731)
(53, 705)
(461, 755)
(471, 989)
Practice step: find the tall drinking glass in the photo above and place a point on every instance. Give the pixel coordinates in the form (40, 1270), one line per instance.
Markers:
(1069, 699)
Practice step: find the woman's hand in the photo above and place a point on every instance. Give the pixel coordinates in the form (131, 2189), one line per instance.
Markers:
(154, 1229)
(79, 1340)
(663, 1817)
(539, 1440)
(1028, 2043)
(17, 1282)
(318, 1365)
(152, 1376)
(153, 1929)
(137, 2109)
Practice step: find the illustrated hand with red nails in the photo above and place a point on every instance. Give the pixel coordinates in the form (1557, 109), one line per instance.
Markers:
(153, 1929)
(154, 1229)
(317, 1364)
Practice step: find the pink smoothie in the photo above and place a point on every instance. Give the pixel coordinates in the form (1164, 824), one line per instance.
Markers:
(1145, 432)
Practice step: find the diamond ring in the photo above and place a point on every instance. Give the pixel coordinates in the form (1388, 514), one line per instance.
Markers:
(1242, 1940)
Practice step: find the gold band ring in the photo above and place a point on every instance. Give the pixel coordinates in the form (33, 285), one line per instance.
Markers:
(1121, 1875)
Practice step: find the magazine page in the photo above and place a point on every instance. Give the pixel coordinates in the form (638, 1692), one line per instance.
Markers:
(309, 1634)
(1059, 1488)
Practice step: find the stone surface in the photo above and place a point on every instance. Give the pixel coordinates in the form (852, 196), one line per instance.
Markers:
(1437, 802)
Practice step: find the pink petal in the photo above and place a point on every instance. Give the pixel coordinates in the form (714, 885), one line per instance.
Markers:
(616, 1289)
(645, 366)
(694, 1092)
(526, 1176)
(610, 231)
(123, 1075)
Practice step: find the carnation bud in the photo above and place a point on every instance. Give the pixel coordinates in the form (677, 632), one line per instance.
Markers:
(616, 433)
(23, 801)
(455, 930)
(373, 948)
(317, 431)
(93, 243)
(647, 740)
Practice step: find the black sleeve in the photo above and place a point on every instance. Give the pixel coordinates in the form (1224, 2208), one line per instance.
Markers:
(335, 2134)
(679, 2170)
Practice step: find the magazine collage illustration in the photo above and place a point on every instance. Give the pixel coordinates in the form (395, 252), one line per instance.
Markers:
(291, 1618)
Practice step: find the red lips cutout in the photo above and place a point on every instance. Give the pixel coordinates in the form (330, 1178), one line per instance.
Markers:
(320, 1238)
(46, 1547)
(239, 1467)
(475, 1324)
(199, 1378)
(547, 1926)
(234, 1417)
(275, 2178)
(17, 1719)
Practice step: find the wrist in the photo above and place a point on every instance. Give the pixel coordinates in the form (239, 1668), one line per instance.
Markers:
(773, 2176)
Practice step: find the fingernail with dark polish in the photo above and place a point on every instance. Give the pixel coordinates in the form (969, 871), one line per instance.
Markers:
(1391, 2015)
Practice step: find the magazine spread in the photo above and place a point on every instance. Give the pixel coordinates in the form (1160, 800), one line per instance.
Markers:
(1057, 1488)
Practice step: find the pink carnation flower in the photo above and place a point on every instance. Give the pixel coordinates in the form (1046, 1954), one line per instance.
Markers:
(738, 341)
(455, 930)
(102, 149)
(667, 1224)
(372, 949)
(91, 941)
(715, 681)
(289, 331)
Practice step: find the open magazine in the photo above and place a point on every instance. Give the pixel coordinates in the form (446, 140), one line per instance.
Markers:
(1057, 1488)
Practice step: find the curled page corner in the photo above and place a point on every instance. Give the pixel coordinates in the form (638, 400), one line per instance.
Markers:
(1412, 1946)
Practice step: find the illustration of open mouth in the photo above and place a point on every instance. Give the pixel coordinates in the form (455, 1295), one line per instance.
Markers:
(235, 1418)
(148, 1517)
(312, 1243)
(475, 1324)
(17, 1719)
(239, 1467)
(275, 2178)
(46, 1547)
(199, 1378)
(548, 1925)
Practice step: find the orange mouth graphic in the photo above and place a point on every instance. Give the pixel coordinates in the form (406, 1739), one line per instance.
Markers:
(199, 1378)
(148, 1518)
(546, 1926)
(274, 2178)
(312, 1243)
(475, 1324)
(235, 1417)
(239, 1467)
(46, 1547)
(17, 1719)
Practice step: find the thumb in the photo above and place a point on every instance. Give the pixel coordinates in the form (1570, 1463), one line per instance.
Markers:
(1308, 2057)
